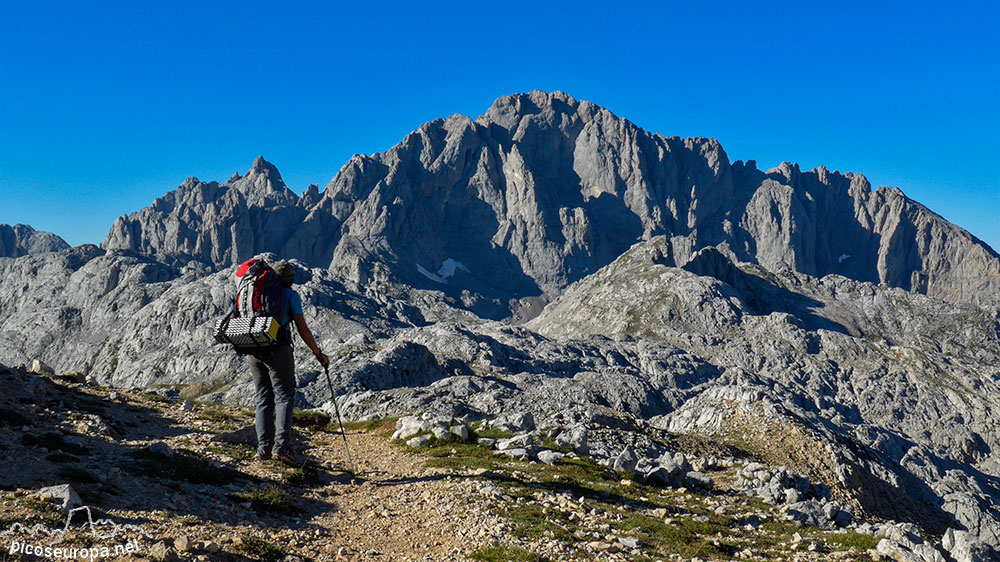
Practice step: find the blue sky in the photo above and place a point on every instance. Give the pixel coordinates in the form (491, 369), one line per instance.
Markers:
(105, 106)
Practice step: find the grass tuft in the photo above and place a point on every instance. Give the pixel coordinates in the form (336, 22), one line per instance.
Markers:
(237, 451)
(218, 414)
(503, 553)
(849, 540)
(314, 420)
(366, 426)
(306, 476)
(261, 549)
(154, 397)
(271, 499)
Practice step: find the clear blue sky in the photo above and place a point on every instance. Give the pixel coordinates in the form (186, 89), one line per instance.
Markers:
(106, 105)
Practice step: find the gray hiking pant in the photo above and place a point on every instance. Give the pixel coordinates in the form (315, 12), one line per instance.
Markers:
(274, 377)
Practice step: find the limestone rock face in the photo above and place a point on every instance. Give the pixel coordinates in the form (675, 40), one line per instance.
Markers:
(215, 224)
(22, 240)
(822, 222)
(541, 191)
(864, 362)
(536, 193)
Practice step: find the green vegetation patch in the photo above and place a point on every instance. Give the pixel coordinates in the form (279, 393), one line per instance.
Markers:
(269, 499)
(692, 528)
(219, 414)
(261, 549)
(687, 537)
(237, 451)
(457, 455)
(532, 521)
(314, 420)
(154, 397)
(504, 553)
(385, 425)
(305, 476)
(490, 434)
(849, 540)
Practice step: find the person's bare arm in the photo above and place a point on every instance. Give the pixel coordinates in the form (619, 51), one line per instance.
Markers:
(306, 334)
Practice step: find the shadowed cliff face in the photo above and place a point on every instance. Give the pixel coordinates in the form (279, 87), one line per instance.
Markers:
(541, 191)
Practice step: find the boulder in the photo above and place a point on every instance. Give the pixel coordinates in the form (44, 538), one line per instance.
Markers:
(160, 448)
(408, 426)
(38, 366)
(575, 438)
(442, 433)
(184, 543)
(699, 481)
(516, 442)
(549, 456)
(419, 441)
(461, 432)
(162, 552)
(62, 495)
(625, 461)
(515, 422)
(961, 546)
(520, 454)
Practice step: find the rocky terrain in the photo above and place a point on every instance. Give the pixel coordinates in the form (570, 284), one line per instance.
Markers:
(830, 350)
(22, 240)
(450, 493)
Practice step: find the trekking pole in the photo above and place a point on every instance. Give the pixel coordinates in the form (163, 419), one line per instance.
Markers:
(333, 396)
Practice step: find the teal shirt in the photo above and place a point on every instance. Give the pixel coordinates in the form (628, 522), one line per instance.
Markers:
(294, 307)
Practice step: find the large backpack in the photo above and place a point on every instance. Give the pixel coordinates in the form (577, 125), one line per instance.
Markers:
(259, 292)
(259, 308)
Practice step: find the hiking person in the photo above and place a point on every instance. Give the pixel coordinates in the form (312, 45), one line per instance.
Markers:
(273, 369)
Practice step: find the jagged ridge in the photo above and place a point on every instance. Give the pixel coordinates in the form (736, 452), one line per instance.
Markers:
(542, 190)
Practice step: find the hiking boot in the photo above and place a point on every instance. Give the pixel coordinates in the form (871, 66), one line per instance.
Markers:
(263, 456)
(287, 456)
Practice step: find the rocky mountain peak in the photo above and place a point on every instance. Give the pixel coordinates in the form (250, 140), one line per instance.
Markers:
(542, 190)
(22, 240)
(212, 223)
(261, 166)
(263, 185)
(508, 111)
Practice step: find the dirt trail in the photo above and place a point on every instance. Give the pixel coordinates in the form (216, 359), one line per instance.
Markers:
(400, 510)
(395, 510)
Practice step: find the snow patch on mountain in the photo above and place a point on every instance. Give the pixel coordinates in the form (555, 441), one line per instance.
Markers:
(447, 271)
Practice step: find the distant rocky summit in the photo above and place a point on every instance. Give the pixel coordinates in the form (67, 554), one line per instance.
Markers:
(543, 190)
(22, 240)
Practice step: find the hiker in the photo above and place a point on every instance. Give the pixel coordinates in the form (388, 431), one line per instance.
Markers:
(273, 369)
